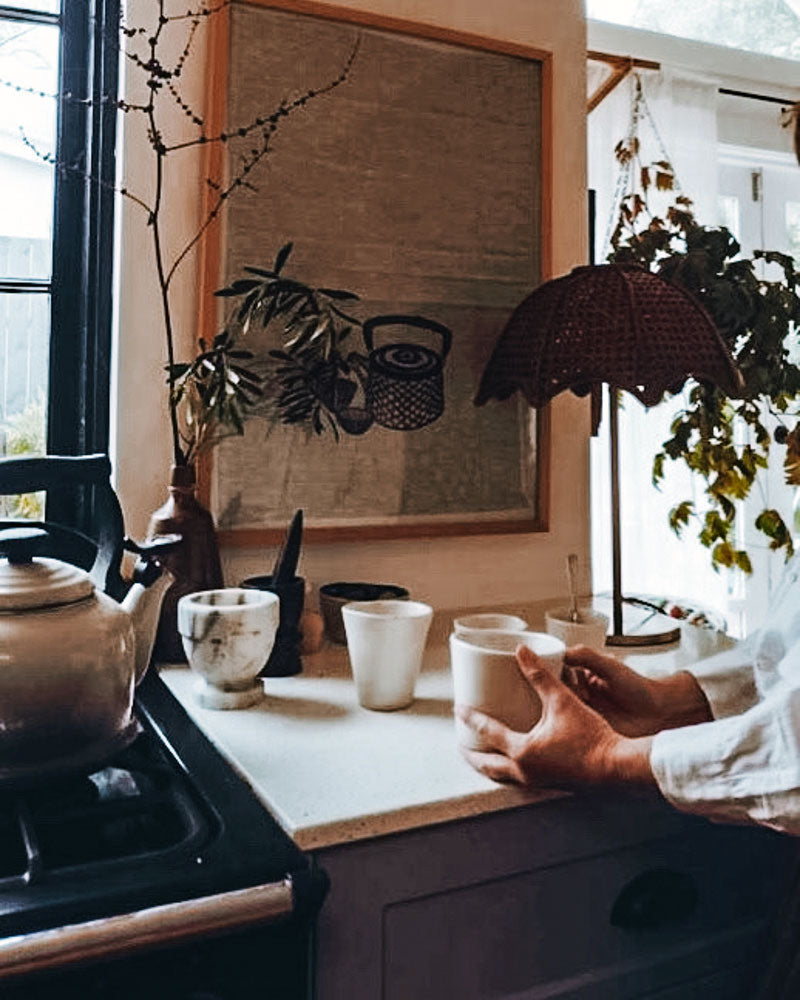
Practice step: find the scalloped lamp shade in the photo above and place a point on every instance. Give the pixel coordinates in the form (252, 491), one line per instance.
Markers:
(614, 323)
(622, 325)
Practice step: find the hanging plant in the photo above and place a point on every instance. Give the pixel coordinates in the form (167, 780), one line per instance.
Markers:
(725, 441)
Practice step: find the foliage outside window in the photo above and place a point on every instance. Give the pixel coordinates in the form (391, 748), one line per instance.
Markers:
(771, 27)
(58, 79)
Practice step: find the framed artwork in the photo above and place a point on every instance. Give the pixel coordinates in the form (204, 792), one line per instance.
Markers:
(417, 184)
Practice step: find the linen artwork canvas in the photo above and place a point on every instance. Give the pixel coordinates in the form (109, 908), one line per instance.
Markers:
(416, 184)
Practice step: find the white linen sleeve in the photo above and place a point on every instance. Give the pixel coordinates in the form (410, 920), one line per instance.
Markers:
(728, 681)
(740, 769)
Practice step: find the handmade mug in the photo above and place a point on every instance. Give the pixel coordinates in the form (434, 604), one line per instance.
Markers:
(489, 620)
(590, 629)
(486, 676)
(385, 642)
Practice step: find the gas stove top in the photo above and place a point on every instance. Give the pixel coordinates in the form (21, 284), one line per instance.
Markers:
(140, 808)
(165, 821)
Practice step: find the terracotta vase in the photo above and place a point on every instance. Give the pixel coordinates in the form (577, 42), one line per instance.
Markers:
(195, 564)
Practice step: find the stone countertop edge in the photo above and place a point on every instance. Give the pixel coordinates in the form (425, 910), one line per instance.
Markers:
(332, 772)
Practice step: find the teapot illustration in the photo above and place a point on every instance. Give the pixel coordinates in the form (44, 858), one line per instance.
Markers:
(402, 382)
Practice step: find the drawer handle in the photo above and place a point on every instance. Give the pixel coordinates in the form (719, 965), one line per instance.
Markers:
(656, 898)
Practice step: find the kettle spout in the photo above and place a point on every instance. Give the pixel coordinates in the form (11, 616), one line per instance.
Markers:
(143, 604)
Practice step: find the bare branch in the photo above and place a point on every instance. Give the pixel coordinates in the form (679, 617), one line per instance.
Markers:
(185, 108)
(224, 193)
(28, 90)
(205, 10)
(283, 111)
(187, 48)
(77, 171)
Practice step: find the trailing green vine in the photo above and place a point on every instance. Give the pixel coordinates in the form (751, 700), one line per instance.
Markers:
(724, 441)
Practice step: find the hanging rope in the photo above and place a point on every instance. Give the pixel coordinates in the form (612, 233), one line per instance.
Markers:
(640, 112)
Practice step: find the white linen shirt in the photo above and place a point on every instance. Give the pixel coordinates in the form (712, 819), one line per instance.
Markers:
(744, 766)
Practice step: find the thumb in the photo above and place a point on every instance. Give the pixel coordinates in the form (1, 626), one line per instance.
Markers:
(536, 673)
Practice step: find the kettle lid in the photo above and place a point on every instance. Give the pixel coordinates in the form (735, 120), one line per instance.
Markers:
(27, 582)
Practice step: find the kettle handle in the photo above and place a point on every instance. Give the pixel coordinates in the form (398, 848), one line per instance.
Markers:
(420, 322)
(32, 474)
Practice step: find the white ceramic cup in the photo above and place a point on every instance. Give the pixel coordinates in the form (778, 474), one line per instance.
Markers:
(490, 620)
(385, 642)
(590, 629)
(228, 635)
(486, 676)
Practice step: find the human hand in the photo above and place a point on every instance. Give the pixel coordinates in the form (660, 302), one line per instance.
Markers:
(634, 705)
(571, 744)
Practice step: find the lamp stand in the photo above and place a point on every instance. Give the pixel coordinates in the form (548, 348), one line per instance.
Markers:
(644, 633)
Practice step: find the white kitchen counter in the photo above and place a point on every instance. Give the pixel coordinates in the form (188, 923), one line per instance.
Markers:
(332, 772)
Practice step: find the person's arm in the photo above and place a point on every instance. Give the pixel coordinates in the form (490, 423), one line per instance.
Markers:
(728, 681)
(742, 769)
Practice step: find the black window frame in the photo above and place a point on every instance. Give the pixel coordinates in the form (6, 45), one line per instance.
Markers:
(81, 281)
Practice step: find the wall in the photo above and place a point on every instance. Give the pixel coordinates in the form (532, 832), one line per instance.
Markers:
(447, 572)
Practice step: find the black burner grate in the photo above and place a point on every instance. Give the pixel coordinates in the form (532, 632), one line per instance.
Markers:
(166, 820)
(137, 808)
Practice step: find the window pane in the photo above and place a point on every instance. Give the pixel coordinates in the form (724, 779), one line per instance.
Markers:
(24, 328)
(793, 229)
(729, 214)
(28, 62)
(768, 26)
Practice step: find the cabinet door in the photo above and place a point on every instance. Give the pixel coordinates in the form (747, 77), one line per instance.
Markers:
(556, 902)
(603, 928)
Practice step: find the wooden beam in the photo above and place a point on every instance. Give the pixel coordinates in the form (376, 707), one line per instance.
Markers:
(621, 66)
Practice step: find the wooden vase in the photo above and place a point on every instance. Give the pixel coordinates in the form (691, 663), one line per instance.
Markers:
(195, 564)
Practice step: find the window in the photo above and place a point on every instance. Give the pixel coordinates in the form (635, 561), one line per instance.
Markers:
(58, 78)
(734, 160)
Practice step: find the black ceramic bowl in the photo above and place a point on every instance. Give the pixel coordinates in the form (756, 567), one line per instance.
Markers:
(333, 597)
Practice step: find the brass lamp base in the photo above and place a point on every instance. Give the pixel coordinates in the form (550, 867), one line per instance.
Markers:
(644, 638)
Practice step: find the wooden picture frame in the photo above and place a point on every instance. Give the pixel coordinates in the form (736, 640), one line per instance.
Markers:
(451, 83)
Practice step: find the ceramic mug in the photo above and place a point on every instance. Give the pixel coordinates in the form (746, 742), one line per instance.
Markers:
(590, 629)
(385, 642)
(489, 620)
(486, 676)
(228, 634)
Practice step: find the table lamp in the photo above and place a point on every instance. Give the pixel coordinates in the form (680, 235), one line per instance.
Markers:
(617, 324)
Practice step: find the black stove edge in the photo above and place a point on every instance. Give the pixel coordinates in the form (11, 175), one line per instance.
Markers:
(249, 848)
(191, 747)
(252, 829)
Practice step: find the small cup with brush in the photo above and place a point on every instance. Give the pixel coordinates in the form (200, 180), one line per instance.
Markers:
(575, 625)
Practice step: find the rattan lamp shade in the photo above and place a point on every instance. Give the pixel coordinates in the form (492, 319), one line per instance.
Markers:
(618, 324)
(614, 323)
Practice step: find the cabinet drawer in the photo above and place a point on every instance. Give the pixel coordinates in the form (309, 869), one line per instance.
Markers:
(627, 924)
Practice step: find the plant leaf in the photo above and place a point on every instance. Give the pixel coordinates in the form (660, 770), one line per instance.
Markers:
(283, 256)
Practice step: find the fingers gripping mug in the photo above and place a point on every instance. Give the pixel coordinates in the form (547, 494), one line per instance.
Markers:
(486, 676)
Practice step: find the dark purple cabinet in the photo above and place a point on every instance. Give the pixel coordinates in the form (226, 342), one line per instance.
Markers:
(572, 899)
